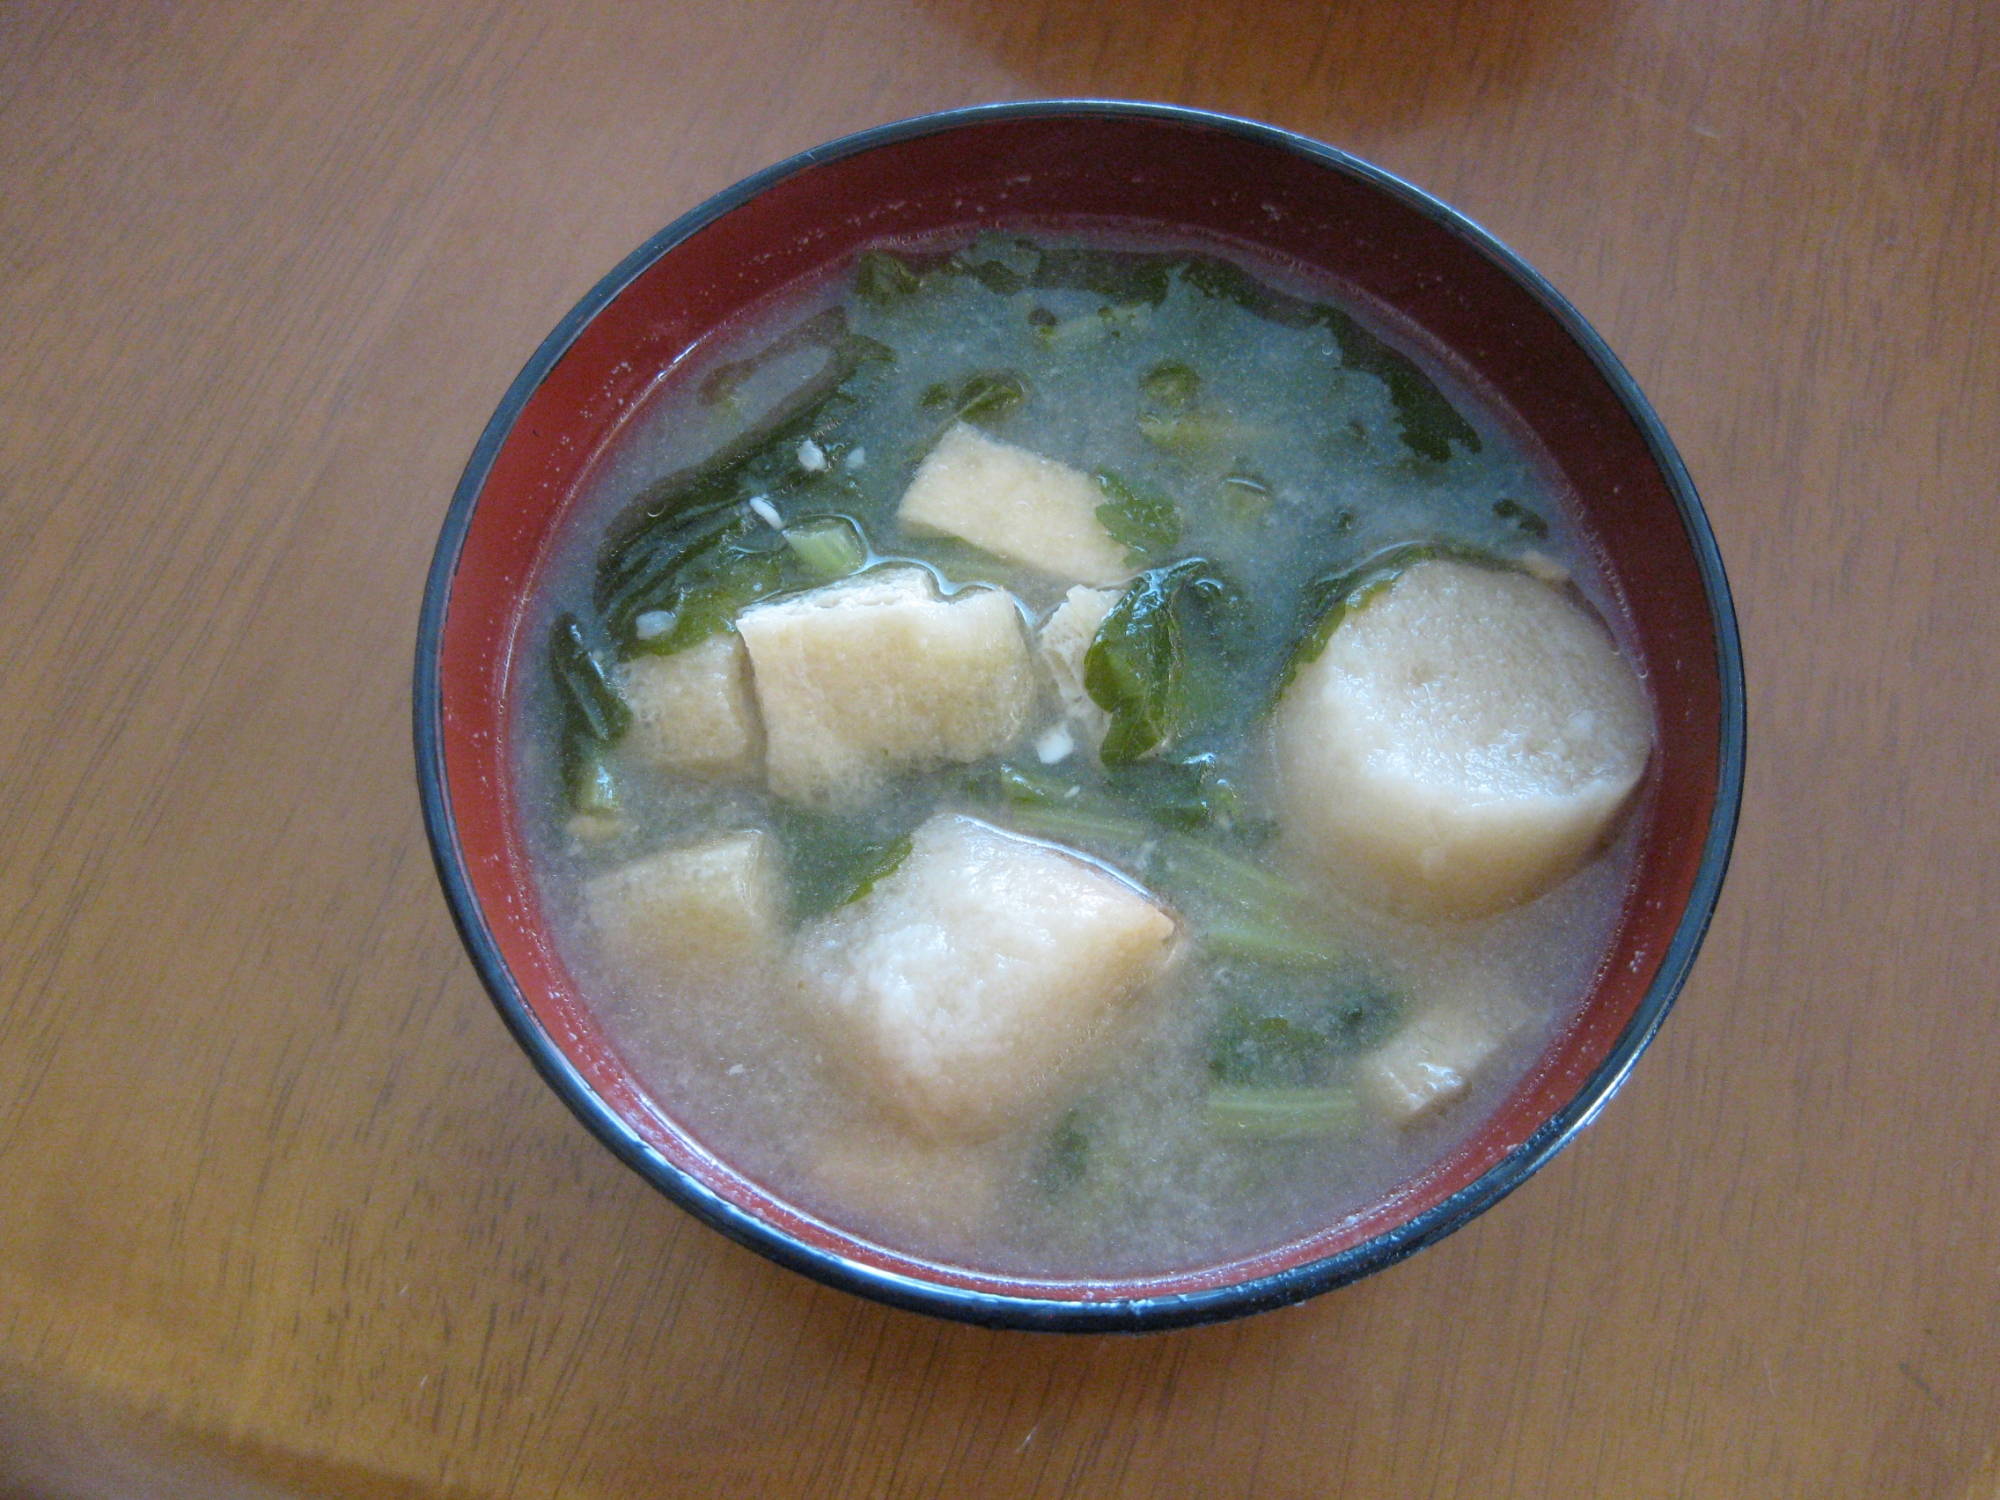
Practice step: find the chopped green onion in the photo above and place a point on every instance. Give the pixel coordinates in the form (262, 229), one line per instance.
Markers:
(829, 549)
(594, 790)
(1194, 433)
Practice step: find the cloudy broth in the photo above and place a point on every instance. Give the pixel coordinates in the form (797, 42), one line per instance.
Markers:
(1291, 434)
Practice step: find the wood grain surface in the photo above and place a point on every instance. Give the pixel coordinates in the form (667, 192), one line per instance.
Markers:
(284, 1212)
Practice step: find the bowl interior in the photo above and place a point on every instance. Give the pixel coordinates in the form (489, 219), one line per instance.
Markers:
(1137, 170)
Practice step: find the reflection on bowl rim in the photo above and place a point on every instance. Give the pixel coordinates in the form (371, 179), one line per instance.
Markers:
(1294, 1283)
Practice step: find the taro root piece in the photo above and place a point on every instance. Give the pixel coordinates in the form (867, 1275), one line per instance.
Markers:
(1466, 737)
(968, 989)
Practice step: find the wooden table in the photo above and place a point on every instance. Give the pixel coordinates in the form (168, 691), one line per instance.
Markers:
(286, 1213)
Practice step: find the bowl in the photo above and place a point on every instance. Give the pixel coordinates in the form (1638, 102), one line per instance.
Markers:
(1090, 164)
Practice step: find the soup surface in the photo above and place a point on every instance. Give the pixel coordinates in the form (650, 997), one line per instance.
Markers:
(1076, 758)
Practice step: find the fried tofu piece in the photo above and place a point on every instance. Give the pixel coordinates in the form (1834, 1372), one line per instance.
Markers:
(1433, 1060)
(1014, 504)
(1064, 638)
(1468, 737)
(707, 914)
(971, 987)
(692, 711)
(877, 674)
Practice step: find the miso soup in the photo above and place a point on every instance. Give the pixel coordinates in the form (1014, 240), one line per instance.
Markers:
(1078, 757)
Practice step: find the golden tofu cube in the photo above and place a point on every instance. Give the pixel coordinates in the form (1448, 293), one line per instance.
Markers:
(1014, 504)
(692, 711)
(877, 674)
(1434, 1059)
(699, 916)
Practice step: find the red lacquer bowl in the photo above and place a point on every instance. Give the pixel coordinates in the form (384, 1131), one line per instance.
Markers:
(1100, 165)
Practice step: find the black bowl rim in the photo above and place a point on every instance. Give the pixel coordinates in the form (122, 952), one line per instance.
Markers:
(998, 1310)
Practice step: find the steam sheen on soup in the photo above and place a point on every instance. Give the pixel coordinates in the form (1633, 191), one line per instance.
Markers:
(1077, 759)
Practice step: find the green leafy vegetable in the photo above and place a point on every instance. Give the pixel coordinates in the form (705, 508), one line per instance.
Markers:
(1143, 520)
(1227, 282)
(1125, 805)
(1200, 866)
(1248, 1048)
(1080, 824)
(833, 861)
(1133, 668)
(709, 606)
(1190, 793)
(995, 277)
(588, 697)
(1002, 263)
(1243, 912)
(1282, 1114)
(1121, 277)
(647, 573)
(1195, 434)
(592, 715)
(886, 859)
(1065, 1161)
(1275, 943)
(985, 397)
(1085, 1166)
(1300, 1026)
(1225, 877)
(1172, 383)
(1426, 420)
(1012, 783)
(687, 556)
(1008, 265)
(1141, 668)
(1274, 1063)
(882, 277)
(695, 591)
(762, 459)
(1523, 518)
(1429, 424)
